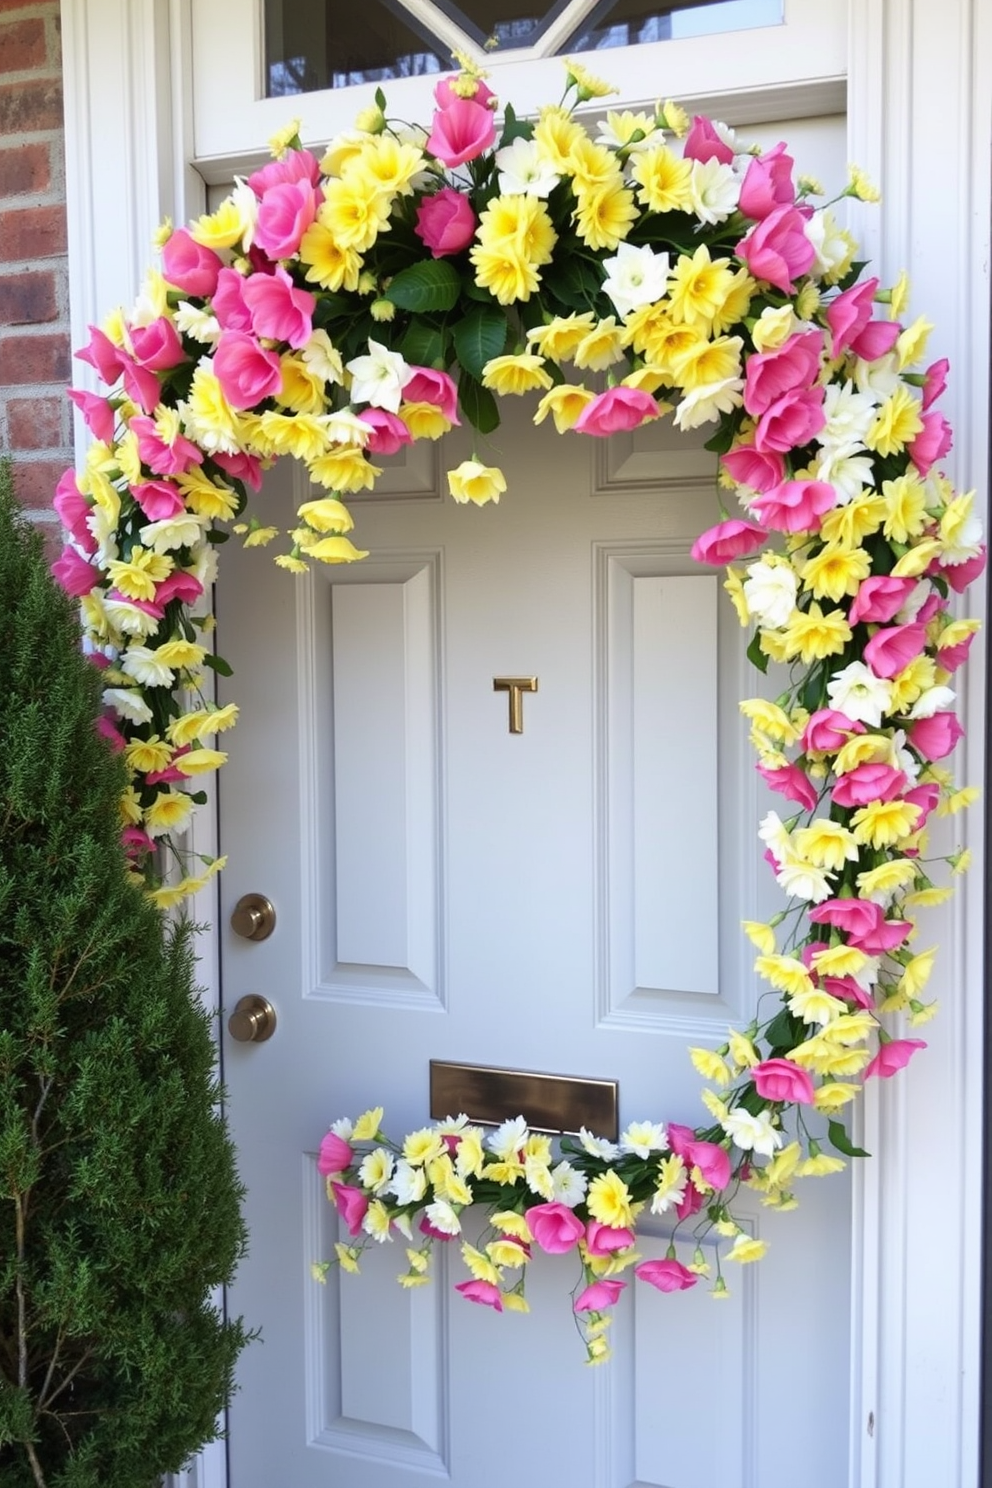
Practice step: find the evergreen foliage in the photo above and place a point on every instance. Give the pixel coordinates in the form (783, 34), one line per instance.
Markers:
(119, 1199)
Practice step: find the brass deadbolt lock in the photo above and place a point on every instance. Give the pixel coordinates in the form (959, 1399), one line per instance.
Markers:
(253, 917)
(253, 1020)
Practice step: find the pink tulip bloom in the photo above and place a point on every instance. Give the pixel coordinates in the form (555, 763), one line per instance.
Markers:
(893, 1056)
(461, 131)
(768, 183)
(792, 783)
(352, 1205)
(102, 355)
(795, 505)
(960, 575)
(680, 1138)
(935, 381)
(157, 346)
(284, 214)
(426, 1228)
(159, 500)
(925, 797)
(247, 373)
(99, 414)
(932, 443)
(229, 301)
(429, 385)
(136, 843)
(887, 936)
(604, 1239)
(482, 1292)
(247, 468)
(555, 1227)
(867, 783)
(295, 165)
(169, 775)
(760, 470)
(892, 649)
(155, 611)
(279, 311)
(667, 1275)
(72, 572)
(141, 384)
(879, 598)
(335, 1154)
(179, 585)
(876, 339)
(189, 266)
(777, 249)
(791, 421)
(73, 509)
(828, 730)
(109, 731)
(598, 1296)
(951, 657)
(853, 916)
(389, 432)
(781, 1080)
(446, 222)
(712, 1161)
(848, 990)
(615, 411)
(445, 95)
(849, 313)
(790, 368)
(704, 142)
(163, 458)
(935, 737)
(726, 541)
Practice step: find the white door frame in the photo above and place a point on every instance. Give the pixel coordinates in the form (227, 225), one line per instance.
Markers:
(919, 103)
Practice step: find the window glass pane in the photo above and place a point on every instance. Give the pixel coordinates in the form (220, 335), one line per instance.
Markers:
(616, 23)
(316, 44)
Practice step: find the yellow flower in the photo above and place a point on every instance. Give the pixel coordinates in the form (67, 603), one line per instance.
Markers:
(608, 1200)
(780, 1169)
(604, 213)
(475, 482)
(834, 1096)
(698, 287)
(564, 403)
(927, 898)
(849, 525)
(836, 571)
(515, 238)
(515, 1302)
(555, 135)
(716, 1107)
(291, 563)
(302, 388)
(770, 719)
(710, 1066)
(826, 844)
(676, 119)
(814, 635)
(896, 423)
(587, 85)
(336, 550)
(480, 1266)
(736, 302)
(848, 1028)
(515, 374)
(326, 515)
(912, 344)
(280, 142)
(742, 1051)
(506, 1253)
(388, 163)
(424, 420)
(329, 262)
(859, 185)
(815, 1006)
(886, 878)
(169, 812)
(917, 560)
(784, 973)
(733, 584)
(664, 180)
(820, 1165)
(508, 1222)
(410, 1279)
(916, 973)
(906, 508)
(367, 1125)
(343, 470)
(221, 229)
(899, 296)
(600, 347)
(136, 579)
(773, 328)
(746, 1249)
(180, 654)
(705, 363)
(207, 498)
(559, 338)
(884, 823)
(760, 935)
(147, 755)
(209, 419)
(355, 209)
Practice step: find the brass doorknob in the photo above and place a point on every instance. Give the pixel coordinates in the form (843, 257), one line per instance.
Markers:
(253, 917)
(253, 1020)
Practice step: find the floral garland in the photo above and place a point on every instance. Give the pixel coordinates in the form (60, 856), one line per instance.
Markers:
(336, 310)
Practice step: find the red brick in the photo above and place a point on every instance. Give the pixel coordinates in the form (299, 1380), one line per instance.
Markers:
(27, 360)
(24, 170)
(36, 423)
(29, 106)
(32, 233)
(35, 481)
(28, 298)
(22, 45)
(6, 5)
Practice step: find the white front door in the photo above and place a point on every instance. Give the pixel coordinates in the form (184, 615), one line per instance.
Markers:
(564, 900)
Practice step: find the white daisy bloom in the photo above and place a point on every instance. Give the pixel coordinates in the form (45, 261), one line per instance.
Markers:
(635, 277)
(142, 664)
(569, 1184)
(523, 171)
(714, 190)
(858, 693)
(933, 700)
(598, 1146)
(127, 703)
(379, 378)
(752, 1133)
(644, 1137)
(507, 1140)
(770, 593)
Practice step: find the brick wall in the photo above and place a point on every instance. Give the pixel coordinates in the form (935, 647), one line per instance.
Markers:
(35, 423)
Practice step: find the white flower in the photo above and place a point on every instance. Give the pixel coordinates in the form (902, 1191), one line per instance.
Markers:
(443, 1217)
(523, 171)
(200, 324)
(752, 1133)
(379, 378)
(537, 1177)
(830, 245)
(770, 592)
(569, 1184)
(598, 1146)
(141, 664)
(376, 1222)
(801, 880)
(127, 703)
(966, 542)
(345, 427)
(247, 205)
(774, 834)
(343, 1128)
(103, 530)
(377, 1169)
(507, 1140)
(635, 277)
(881, 377)
(182, 531)
(644, 1137)
(129, 619)
(322, 358)
(902, 758)
(203, 564)
(846, 469)
(703, 405)
(857, 692)
(933, 700)
(714, 190)
(918, 597)
(409, 1184)
(849, 415)
(617, 128)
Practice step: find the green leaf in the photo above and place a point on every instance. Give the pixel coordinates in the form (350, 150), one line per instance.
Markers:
(426, 286)
(423, 344)
(780, 1032)
(477, 404)
(578, 284)
(380, 100)
(514, 128)
(837, 1133)
(721, 441)
(755, 655)
(479, 337)
(219, 665)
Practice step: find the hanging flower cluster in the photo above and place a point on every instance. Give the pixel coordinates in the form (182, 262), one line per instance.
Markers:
(335, 310)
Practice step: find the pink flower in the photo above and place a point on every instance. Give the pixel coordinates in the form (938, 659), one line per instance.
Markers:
(335, 1154)
(389, 432)
(426, 1228)
(704, 142)
(849, 313)
(892, 649)
(960, 575)
(445, 95)
(555, 1227)
(667, 1275)
(604, 1239)
(791, 421)
(446, 222)
(893, 1056)
(352, 1204)
(792, 783)
(295, 165)
(848, 989)
(760, 470)
(136, 842)
(159, 500)
(935, 381)
(156, 611)
(795, 505)
(229, 301)
(727, 541)
(781, 1080)
(157, 345)
(598, 1296)
(179, 585)
(461, 131)
(777, 248)
(189, 266)
(829, 730)
(247, 468)
(482, 1292)
(99, 414)
(932, 443)
(616, 410)
(879, 598)
(935, 737)
(247, 373)
(925, 797)
(887, 936)
(165, 459)
(141, 384)
(72, 572)
(279, 311)
(284, 214)
(109, 731)
(73, 509)
(771, 374)
(680, 1138)
(768, 183)
(428, 385)
(853, 916)
(951, 657)
(102, 355)
(867, 783)
(876, 339)
(171, 773)
(712, 1161)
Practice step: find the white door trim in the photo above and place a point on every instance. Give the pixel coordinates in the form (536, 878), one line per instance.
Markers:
(919, 102)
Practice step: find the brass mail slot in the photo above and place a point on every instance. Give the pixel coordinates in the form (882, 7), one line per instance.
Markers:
(549, 1103)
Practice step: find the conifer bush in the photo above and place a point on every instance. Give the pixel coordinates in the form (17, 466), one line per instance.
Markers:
(119, 1198)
